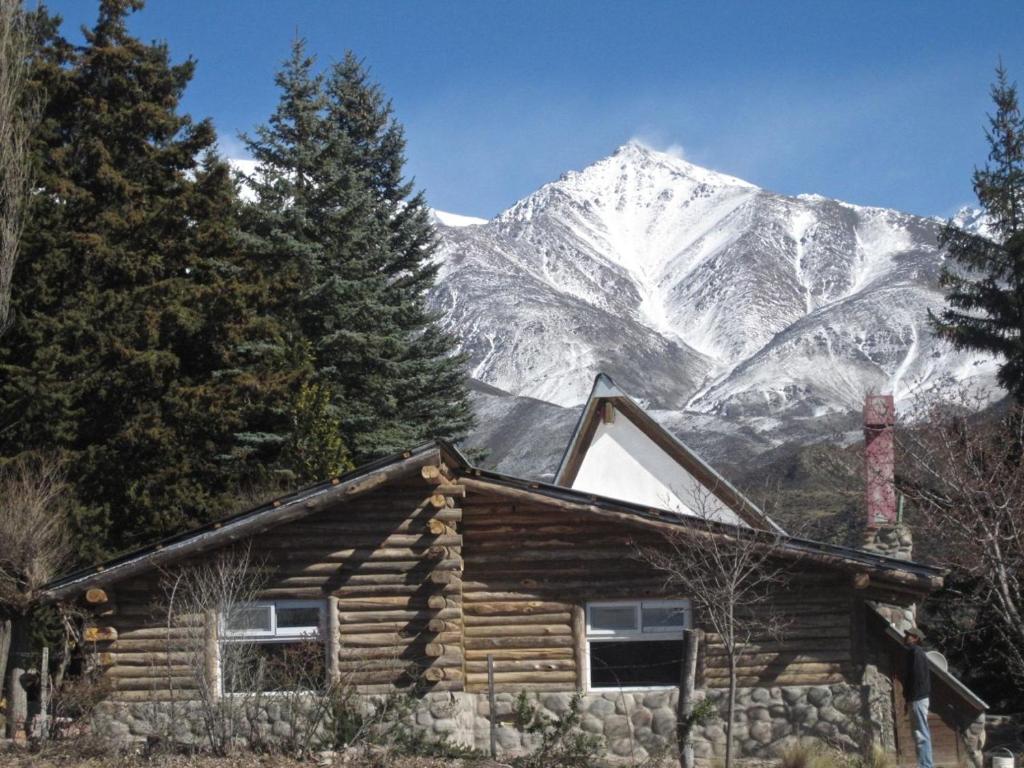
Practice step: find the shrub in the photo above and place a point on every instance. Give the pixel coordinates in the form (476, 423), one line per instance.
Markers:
(562, 744)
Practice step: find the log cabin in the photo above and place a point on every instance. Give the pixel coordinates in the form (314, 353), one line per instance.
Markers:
(423, 572)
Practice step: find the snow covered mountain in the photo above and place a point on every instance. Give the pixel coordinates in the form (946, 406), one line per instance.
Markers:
(697, 292)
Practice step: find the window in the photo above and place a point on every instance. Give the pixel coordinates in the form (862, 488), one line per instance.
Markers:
(636, 643)
(273, 646)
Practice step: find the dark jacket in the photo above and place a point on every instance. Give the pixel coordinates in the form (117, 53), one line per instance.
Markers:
(917, 683)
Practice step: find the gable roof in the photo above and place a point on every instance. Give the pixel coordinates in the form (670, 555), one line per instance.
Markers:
(640, 461)
(899, 574)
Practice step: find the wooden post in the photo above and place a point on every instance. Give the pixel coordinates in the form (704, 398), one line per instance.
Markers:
(211, 653)
(333, 641)
(492, 706)
(579, 636)
(42, 726)
(684, 708)
(17, 666)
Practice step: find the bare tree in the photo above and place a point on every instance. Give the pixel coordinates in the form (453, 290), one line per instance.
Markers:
(964, 475)
(729, 574)
(17, 118)
(35, 545)
(198, 597)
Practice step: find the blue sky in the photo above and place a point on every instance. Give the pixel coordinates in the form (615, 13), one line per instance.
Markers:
(879, 103)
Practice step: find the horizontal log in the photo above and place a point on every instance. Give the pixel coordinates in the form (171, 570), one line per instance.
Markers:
(313, 544)
(155, 695)
(99, 634)
(561, 617)
(403, 653)
(398, 567)
(330, 554)
(179, 658)
(96, 596)
(451, 489)
(381, 526)
(364, 581)
(517, 607)
(351, 665)
(385, 638)
(522, 666)
(155, 671)
(376, 603)
(142, 646)
(444, 685)
(516, 654)
(437, 674)
(159, 633)
(363, 617)
(439, 528)
(153, 684)
(432, 474)
(516, 688)
(401, 628)
(525, 677)
(536, 630)
(487, 643)
(530, 589)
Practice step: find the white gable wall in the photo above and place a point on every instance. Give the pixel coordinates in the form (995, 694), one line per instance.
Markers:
(623, 463)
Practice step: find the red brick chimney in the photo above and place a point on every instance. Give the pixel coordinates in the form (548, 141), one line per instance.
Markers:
(879, 460)
(884, 530)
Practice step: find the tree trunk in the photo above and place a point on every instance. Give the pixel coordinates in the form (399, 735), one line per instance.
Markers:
(730, 709)
(684, 710)
(17, 666)
(5, 647)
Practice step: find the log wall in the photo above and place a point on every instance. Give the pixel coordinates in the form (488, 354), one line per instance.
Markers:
(423, 581)
(531, 569)
(388, 565)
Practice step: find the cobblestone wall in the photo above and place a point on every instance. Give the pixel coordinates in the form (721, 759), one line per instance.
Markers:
(628, 725)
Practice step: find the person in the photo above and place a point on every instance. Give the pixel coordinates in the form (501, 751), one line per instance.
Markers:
(917, 687)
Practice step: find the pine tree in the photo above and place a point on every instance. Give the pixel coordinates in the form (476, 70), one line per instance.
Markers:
(333, 208)
(140, 346)
(985, 287)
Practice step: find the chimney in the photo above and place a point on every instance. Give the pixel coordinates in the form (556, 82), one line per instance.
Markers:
(884, 531)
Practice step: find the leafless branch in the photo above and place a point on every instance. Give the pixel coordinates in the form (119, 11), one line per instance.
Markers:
(17, 118)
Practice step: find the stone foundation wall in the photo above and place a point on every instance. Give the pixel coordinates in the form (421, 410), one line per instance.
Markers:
(632, 726)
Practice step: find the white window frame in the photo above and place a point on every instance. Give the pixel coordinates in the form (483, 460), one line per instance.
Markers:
(277, 634)
(637, 635)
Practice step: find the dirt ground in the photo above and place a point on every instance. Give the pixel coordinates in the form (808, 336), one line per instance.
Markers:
(65, 757)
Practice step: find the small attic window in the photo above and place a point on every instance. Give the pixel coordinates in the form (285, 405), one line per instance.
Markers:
(635, 643)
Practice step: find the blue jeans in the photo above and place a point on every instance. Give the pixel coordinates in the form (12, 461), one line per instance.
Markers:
(922, 734)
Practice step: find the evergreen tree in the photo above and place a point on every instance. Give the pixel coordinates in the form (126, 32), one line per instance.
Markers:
(334, 210)
(141, 345)
(985, 287)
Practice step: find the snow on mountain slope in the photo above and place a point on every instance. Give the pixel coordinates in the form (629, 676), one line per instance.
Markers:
(699, 293)
(454, 219)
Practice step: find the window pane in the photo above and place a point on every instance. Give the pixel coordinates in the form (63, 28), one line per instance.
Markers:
(248, 618)
(614, 664)
(613, 617)
(294, 666)
(660, 618)
(308, 616)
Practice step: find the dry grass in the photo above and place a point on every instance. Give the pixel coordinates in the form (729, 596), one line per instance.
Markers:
(69, 756)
